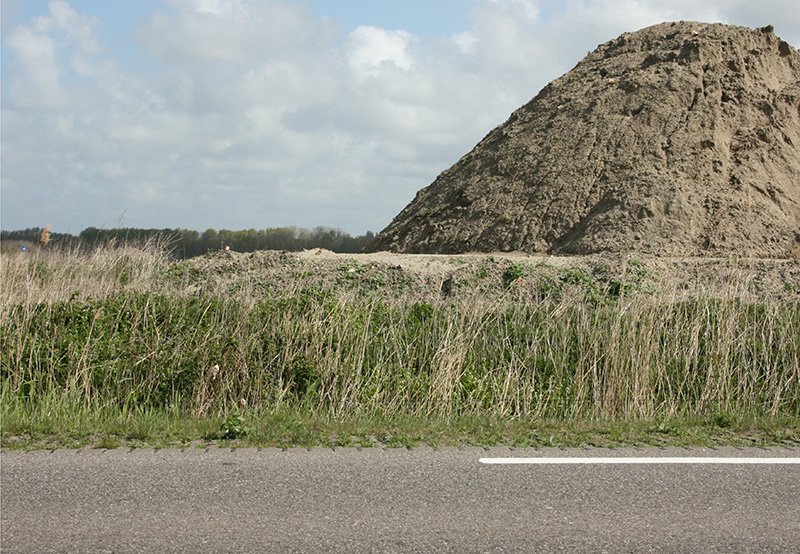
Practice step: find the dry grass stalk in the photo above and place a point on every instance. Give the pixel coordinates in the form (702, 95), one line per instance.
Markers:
(44, 240)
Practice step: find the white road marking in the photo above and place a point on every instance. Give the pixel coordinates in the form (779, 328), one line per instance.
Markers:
(606, 460)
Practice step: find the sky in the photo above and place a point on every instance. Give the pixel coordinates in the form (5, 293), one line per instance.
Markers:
(239, 114)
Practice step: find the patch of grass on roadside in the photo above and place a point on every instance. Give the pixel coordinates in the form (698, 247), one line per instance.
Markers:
(59, 422)
(78, 426)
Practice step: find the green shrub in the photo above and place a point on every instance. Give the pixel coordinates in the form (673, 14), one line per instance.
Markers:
(513, 272)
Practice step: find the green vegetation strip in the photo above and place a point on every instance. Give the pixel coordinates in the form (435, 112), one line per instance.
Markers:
(564, 362)
(48, 426)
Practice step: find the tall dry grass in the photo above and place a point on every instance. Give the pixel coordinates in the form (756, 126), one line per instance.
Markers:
(117, 327)
(44, 275)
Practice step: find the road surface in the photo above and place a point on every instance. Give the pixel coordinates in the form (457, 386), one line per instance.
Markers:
(398, 500)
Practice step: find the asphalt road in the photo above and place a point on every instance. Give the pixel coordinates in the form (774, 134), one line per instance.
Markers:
(395, 500)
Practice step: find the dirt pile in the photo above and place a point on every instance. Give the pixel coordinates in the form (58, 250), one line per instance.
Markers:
(682, 139)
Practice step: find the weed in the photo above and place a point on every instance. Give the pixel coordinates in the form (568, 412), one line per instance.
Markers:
(666, 426)
(601, 271)
(183, 271)
(353, 269)
(234, 427)
(638, 268)
(514, 272)
(420, 312)
(756, 285)
(724, 420)
(620, 287)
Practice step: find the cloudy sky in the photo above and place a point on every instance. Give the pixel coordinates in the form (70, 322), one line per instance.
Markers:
(242, 114)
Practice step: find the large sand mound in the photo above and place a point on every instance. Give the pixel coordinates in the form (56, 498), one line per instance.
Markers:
(680, 139)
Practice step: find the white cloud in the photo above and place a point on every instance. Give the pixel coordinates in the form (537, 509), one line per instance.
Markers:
(223, 8)
(367, 49)
(48, 51)
(256, 113)
(234, 32)
(79, 28)
(36, 83)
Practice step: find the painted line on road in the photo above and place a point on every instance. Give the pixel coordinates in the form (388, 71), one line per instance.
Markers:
(631, 460)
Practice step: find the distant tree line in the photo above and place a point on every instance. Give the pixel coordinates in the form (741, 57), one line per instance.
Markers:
(185, 243)
(34, 234)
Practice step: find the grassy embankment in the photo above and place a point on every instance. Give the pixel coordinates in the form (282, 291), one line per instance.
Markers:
(118, 347)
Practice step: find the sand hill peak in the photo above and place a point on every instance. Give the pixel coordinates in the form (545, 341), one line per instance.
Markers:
(679, 139)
